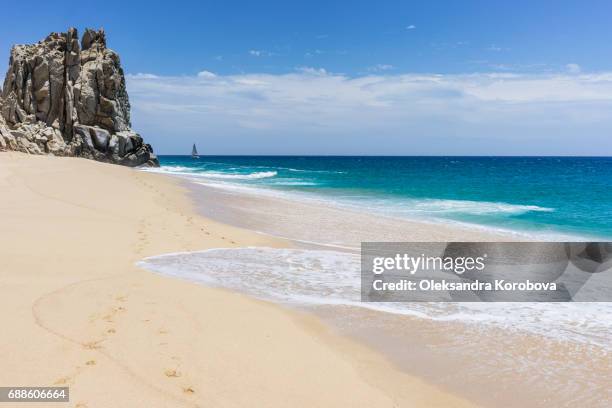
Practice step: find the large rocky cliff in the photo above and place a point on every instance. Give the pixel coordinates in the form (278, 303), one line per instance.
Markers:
(69, 99)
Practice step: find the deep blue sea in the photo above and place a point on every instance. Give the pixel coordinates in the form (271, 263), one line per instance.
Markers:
(549, 195)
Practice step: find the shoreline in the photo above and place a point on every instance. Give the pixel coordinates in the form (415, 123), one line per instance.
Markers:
(384, 339)
(81, 305)
(452, 228)
(285, 219)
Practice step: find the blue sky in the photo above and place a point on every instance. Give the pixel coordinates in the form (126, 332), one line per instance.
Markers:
(185, 37)
(320, 77)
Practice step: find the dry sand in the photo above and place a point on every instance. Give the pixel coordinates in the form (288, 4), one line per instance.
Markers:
(76, 311)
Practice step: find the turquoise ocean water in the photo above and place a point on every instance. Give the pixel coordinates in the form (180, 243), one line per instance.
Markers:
(549, 195)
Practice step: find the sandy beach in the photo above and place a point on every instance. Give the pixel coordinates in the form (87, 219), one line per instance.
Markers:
(79, 313)
(323, 204)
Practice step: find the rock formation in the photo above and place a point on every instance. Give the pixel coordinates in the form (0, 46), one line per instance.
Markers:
(69, 99)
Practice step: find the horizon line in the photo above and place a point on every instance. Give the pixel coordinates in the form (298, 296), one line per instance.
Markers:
(381, 155)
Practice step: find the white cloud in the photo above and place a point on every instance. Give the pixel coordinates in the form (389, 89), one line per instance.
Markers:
(260, 53)
(311, 107)
(411, 27)
(206, 74)
(246, 80)
(573, 68)
(310, 54)
(145, 75)
(312, 71)
(535, 67)
(381, 67)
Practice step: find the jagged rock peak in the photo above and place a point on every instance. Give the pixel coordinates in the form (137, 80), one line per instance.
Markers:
(74, 92)
(93, 38)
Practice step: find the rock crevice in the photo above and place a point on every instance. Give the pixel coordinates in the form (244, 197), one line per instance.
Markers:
(67, 98)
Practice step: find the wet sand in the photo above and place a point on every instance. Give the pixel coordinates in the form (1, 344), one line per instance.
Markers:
(317, 223)
(492, 366)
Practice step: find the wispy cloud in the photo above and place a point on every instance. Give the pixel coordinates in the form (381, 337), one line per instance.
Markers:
(380, 67)
(516, 67)
(310, 54)
(410, 27)
(469, 113)
(573, 68)
(260, 53)
(312, 71)
(206, 74)
(494, 48)
(144, 76)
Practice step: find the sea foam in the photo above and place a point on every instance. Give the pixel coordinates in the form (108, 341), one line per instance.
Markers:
(202, 173)
(320, 277)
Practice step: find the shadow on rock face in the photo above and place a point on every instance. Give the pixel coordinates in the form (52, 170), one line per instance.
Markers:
(69, 99)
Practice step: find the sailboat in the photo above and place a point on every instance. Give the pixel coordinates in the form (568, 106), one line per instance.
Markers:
(194, 152)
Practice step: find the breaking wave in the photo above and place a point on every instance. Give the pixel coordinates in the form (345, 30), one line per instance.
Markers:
(238, 176)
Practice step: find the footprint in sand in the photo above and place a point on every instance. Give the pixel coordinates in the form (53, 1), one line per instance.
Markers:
(61, 381)
(188, 390)
(109, 316)
(90, 362)
(92, 345)
(172, 373)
